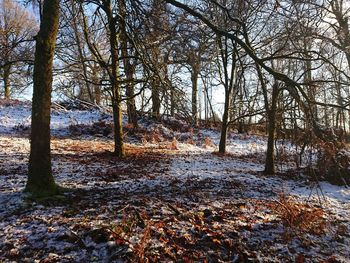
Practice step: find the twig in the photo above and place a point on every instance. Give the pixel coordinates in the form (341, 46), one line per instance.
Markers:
(80, 240)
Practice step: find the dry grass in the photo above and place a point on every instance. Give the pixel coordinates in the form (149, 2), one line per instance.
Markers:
(208, 142)
(173, 145)
(299, 218)
(124, 231)
(81, 147)
(152, 137)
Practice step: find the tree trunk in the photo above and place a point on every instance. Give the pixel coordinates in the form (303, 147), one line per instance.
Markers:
(82, 55)
(311, 89)
(194, 80)
(128, 67)
(131, 106)
(40, 180)
(223, 137)
(343, 34)
(172, 101)
(97, 92)
(6, 78)
(229, 85)
(270, 153)
(155, 98)
(158, 22)
(116, 90)
(96, 85)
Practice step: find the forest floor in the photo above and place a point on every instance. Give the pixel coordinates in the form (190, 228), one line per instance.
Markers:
(167, 201)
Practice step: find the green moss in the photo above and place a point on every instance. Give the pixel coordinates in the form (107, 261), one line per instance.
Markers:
(53, 191)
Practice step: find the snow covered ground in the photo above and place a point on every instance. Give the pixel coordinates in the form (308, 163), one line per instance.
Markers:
(161, 204)
(17, 116)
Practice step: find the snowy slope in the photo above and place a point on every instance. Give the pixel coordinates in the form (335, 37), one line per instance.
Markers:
(210, 206)
(18, 116)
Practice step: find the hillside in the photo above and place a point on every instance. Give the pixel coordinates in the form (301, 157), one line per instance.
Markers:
(172, 199)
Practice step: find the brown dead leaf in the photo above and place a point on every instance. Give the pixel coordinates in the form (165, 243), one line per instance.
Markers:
(300, 259)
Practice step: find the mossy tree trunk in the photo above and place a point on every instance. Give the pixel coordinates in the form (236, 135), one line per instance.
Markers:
(271, 113)
(40, 180)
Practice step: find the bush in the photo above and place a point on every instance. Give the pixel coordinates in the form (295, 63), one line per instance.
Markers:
(333, 163)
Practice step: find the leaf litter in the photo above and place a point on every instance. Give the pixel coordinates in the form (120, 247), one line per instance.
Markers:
(167, 201)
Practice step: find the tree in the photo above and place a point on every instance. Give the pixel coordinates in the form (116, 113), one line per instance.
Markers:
(337, 31)
(228, 58)
(114, 77)
(243, 39)
(129, 67)
(111, 65)
(82, 73)
(158, 25)
(17, 28)
(193, 48)
(40, 179)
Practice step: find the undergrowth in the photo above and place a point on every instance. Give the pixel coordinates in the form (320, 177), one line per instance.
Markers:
(298, 218)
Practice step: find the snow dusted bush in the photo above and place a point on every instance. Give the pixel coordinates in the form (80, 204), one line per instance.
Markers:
(334, 164)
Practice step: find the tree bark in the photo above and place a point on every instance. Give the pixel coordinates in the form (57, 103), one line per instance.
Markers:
(229, 83)
(6, 79)
(270, 153)
(224, 127)
(157, 21)
(172, 101)
(81, 54)
(40, 180)
(343, 33)
(128, 67)
(155, 98)
(194, 80)
(96, 86)
(115, 85)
